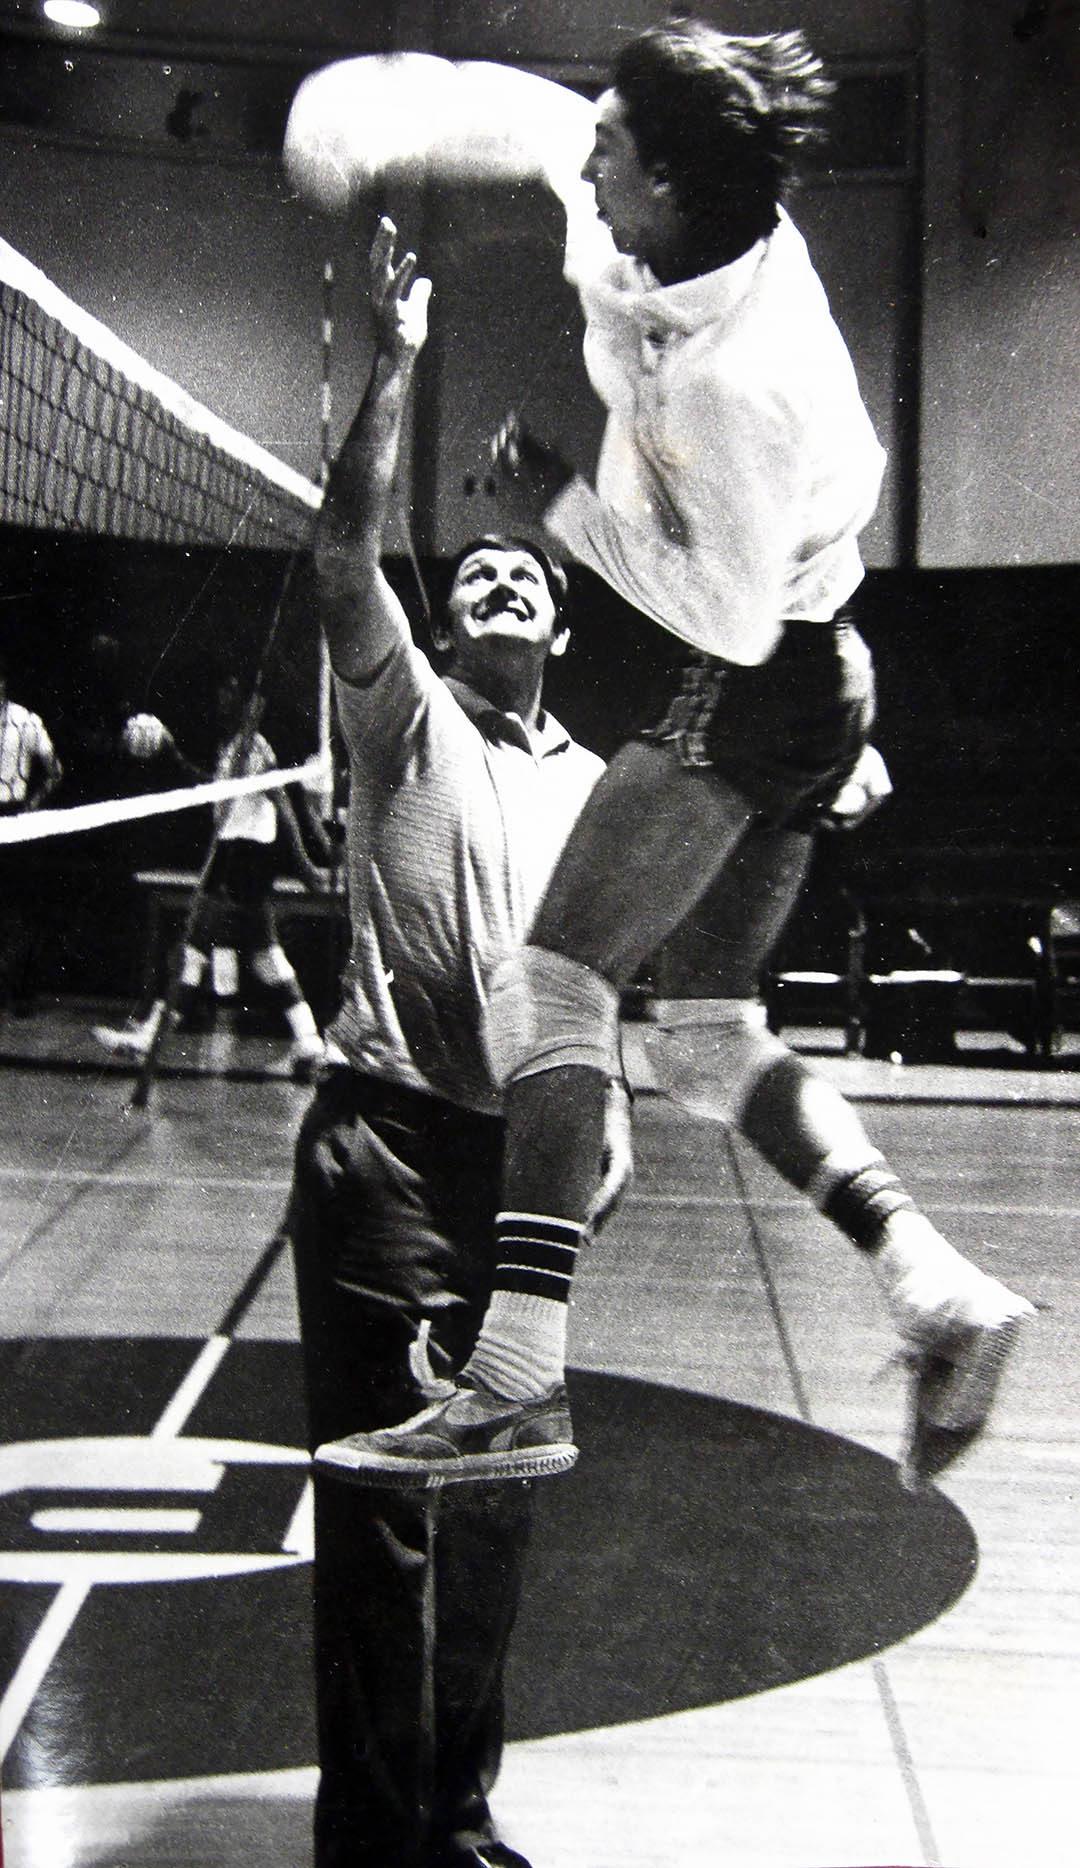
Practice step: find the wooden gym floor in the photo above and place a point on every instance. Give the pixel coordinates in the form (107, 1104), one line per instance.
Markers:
(743, 1643)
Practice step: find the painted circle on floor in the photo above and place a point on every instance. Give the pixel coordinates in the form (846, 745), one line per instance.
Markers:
(114, 1508)
(700, 1551)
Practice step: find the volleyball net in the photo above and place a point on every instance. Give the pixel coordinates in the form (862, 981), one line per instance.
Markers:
(156, 560)
(96, 443)
(94, 440)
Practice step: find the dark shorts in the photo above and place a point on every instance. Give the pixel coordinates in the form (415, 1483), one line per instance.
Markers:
(787, 734)
(237, 909)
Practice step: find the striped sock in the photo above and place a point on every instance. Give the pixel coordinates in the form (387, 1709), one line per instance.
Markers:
(861, 1199)
(521, 1349)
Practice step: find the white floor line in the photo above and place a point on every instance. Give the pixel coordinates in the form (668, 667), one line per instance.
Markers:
(39, 1657)
(774, 1201)
(240, 1183)
(191, 1389)
(71, 1597)
(296, 1783)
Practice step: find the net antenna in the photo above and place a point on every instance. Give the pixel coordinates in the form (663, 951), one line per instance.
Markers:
(326, 409)
(95, 441)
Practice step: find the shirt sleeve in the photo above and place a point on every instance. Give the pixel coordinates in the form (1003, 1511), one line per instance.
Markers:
(38, 738)
(708, 557)
(380, 716)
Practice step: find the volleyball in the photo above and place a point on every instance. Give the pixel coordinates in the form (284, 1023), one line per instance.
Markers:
(145, 736)
(412, 117)
(361, 121)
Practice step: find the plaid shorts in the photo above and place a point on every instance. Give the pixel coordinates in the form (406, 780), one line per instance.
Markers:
(787, 733)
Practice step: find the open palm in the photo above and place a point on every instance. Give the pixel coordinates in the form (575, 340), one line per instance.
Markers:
(399, 298)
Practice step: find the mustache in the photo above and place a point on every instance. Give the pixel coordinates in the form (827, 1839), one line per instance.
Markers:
(498, 599)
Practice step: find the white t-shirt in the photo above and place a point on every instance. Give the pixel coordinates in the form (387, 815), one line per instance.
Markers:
(23, 739)
(252, 819)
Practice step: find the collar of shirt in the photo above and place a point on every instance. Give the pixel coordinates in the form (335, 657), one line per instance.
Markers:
(547, 737)
(629, 289)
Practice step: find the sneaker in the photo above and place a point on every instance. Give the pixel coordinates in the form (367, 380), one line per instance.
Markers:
(952, 1392)
(306, 1055)
(474, 1434)
(959, 1326)
(132, 1041)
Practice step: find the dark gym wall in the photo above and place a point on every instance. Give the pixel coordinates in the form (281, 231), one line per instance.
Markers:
(946, 268)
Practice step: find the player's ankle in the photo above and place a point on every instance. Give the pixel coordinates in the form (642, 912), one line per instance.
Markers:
(510, 1374)
(908, 1240)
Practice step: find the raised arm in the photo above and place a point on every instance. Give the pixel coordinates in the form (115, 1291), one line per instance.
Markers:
(361, 617)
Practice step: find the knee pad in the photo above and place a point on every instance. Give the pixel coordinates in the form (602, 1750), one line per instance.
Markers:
(707, 1054)
(271, 967)
(545, 1011)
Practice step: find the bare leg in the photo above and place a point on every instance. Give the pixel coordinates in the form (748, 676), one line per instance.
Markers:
(957, 1324)
(651, 839)
(648, 844)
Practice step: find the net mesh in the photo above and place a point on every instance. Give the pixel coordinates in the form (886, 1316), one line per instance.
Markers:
(97, 445)
(94, 440)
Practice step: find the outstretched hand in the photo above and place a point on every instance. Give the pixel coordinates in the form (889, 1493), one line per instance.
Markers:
(399, 298)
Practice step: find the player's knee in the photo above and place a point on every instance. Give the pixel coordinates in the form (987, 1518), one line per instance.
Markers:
(271, 967)
(545, 1011)
(708, 1054)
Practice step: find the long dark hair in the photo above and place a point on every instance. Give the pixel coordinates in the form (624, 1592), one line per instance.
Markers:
(724, 117)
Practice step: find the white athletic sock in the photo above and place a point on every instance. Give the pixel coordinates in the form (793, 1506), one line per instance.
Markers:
(225, 972)
(301, 1021)
(863, 1197)
(931, 1289)
(192, 967)
(521, 1349)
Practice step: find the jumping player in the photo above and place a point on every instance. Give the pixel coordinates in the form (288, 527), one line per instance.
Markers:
(737, 470)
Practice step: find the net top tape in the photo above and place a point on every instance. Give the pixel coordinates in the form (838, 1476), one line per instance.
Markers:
(73, 484)
(33, 826)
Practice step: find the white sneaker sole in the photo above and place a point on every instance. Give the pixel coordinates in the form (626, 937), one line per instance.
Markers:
(356, 1466)
(951, 1398)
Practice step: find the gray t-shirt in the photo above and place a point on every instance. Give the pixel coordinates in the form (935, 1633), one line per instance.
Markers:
(457, 816)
